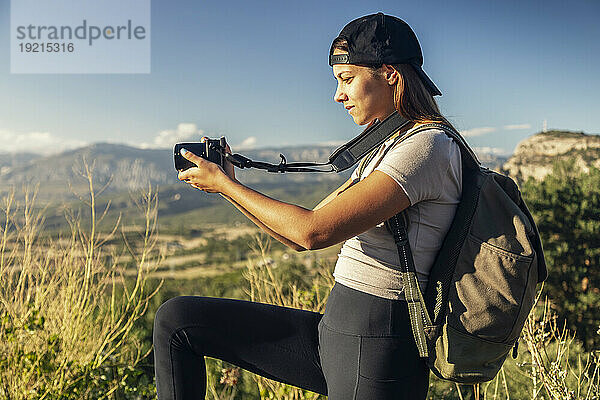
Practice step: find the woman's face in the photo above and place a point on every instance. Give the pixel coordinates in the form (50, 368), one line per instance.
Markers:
(365, 94)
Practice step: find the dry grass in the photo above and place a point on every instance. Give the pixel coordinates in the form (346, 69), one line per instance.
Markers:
(558, 369)
(553, 366)
(64, 318)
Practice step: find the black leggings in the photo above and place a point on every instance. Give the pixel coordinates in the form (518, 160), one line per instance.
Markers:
(361, 348)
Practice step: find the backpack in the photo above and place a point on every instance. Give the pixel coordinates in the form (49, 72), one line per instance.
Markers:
(482, 284)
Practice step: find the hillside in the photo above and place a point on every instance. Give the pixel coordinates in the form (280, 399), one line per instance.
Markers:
(129, 168)
(535, 155)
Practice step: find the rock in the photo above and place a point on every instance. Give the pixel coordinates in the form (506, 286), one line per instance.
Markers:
(536, 155)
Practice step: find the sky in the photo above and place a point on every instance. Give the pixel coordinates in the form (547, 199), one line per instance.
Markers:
(256, 72)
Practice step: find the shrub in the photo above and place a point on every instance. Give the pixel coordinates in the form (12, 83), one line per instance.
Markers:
(566, 207)
(67, 314)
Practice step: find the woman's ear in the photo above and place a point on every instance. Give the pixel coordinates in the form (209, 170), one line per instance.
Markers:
(390, 74)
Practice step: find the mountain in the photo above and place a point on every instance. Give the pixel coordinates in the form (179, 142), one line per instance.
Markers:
(125, 168)
(10, 160)
(128, 168)
(535, 155)
(490, 160)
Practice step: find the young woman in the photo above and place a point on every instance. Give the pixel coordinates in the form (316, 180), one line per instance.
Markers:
(362, 347)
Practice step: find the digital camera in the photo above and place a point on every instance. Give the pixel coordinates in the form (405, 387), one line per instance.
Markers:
(212, 150)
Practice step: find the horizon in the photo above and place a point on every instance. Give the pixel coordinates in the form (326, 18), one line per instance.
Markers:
(482, 150)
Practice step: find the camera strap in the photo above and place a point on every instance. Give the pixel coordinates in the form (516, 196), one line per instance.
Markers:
(342, 158)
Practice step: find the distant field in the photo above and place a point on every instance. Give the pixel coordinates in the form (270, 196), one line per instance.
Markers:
(181, 209)
(216, 250)
(199, 235)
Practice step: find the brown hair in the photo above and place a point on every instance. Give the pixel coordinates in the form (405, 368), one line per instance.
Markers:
(411, 98)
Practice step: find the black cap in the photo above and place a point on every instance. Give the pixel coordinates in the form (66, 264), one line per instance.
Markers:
(378, 39)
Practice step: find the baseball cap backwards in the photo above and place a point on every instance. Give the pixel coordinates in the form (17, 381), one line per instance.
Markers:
(378, 39)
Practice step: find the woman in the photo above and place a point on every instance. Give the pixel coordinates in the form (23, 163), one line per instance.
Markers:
(362, 347)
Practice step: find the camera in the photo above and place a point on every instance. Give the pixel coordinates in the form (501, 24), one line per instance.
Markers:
(212, 150)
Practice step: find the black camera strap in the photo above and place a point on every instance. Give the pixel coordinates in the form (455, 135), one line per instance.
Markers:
(241, 161)
(371, 138)
(342, 158)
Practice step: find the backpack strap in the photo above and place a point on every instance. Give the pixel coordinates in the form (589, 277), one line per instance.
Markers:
(419, 318)
(467, 154)
(397, 226)
(399, 138)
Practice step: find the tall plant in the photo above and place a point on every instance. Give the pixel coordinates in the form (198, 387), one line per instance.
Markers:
(566, 206)
(66, 312)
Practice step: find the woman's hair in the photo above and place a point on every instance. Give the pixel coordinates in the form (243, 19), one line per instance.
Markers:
(411, 98)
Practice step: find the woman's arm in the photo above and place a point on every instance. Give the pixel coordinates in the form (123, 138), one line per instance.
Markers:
(278, 237)
(229, 170)
(356, 209)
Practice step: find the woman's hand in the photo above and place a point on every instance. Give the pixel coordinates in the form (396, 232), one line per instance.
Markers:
(206, 176)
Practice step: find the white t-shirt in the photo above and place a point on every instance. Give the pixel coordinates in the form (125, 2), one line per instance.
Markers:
(428, 167)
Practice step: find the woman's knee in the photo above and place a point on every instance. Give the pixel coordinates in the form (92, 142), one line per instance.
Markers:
(179, 312)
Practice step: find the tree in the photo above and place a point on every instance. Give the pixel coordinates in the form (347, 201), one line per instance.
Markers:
(566, 207)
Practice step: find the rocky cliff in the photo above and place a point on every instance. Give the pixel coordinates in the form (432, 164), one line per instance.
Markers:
(535, 155)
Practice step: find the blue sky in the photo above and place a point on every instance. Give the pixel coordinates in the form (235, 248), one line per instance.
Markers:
(257, 72)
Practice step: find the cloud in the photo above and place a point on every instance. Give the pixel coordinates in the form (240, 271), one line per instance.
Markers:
(167, 138)
(248, 143)
(517, 126)
(36, 142)
(477, 131)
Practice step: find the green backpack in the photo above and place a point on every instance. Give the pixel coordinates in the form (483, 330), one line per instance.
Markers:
(482, 285)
